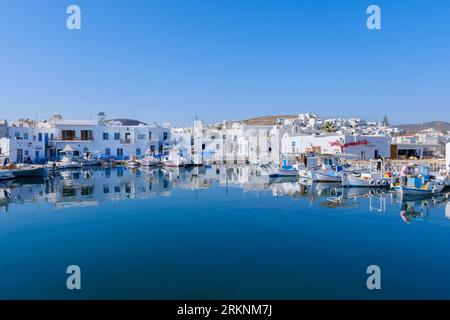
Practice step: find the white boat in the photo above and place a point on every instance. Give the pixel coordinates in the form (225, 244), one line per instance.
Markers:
(149, 160)
(133, 163)
(324, 176)
(285, 170)
(66, 163)
(68, 160)
(323, 168)
(443, 176)
(89, 160)
(6, 174)
(374, 177)
(366, 180)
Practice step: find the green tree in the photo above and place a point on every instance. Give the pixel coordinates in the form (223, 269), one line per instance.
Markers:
(328, 127)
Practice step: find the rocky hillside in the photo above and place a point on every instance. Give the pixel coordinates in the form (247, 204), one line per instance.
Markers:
(437, 125)
(266, 120)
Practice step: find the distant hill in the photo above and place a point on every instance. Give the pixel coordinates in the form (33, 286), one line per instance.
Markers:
(266, 120)
(413, 127)
(437, 125)
(126, 122)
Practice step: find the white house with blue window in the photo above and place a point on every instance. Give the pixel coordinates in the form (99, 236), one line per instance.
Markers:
(22, 141)
(119, 139)
(32, 141)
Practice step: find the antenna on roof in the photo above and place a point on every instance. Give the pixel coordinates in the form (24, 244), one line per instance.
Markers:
(101, 117)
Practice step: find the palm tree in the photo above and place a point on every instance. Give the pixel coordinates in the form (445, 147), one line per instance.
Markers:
(328, 127)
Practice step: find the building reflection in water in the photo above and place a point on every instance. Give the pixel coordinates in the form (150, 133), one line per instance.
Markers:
(92, 187)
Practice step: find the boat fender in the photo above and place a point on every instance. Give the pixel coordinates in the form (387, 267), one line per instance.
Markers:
(372, 182)
(378, 182)
(384, 182)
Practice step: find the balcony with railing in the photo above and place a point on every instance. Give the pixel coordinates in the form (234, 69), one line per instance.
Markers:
(71, 139)
(125, 141)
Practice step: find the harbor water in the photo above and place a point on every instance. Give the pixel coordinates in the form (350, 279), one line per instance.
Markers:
(217, 233)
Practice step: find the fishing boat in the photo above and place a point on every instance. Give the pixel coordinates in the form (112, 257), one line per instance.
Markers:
(416, 186)
(419, 183)
(89, 160)
(132, 163)
(443, 175)
(323, 168)
(6, 174)
(27, 170)
(22, 169)
(285, 170)
(375, 177)
(149, 160)
(68, 160)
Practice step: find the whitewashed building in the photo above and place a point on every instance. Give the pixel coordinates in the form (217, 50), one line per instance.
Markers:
(362, 146)
(22, 141)
(229, 142)
(40, 141)
(118, 139)
(447, 156)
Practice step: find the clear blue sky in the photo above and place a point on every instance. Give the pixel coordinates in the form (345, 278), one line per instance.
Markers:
(172, 60)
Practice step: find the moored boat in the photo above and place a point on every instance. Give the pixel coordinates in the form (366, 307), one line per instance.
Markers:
(375, 177)
(285, 170)
(21, 170)
(149, 160)
(89, 160)
(418, 183)
(6, 174)
(132, 163)
(415, 186)
(29, 171)
(323, 168)
(68, 160)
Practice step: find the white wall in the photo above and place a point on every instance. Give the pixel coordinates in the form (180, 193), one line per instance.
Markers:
(133, 140)
(23, 142)
(336, 144)
(447, 156)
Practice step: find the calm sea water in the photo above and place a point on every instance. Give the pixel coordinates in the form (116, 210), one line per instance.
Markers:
(217, 233)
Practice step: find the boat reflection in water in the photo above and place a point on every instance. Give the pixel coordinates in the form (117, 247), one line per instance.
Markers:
(78, 188)
(417, 207)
